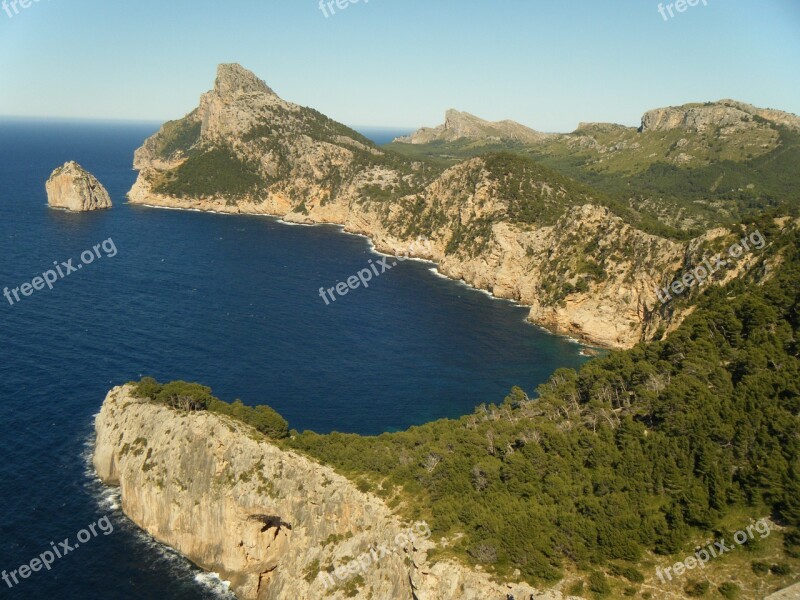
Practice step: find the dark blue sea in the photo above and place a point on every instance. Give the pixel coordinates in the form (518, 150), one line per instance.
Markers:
(228, 301)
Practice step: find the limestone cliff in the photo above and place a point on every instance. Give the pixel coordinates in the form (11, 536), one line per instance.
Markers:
(727, 115)
(464, 126)
(73, 188)
(506, 225)
(267, 520)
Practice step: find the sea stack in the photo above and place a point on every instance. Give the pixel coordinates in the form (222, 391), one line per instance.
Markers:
(72, 187)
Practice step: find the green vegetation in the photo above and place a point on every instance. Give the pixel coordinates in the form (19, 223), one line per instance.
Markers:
(730, 590)
(599, 584)
(696, 589)
(182, 395)
(643, 450)
(178, 136)
(211, 172)
(727, 179)
(535, 194)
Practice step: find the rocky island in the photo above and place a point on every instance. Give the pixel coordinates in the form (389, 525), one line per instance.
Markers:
(71, 187)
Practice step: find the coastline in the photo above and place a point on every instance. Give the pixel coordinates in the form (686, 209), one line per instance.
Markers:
(202, 495)
(589, 347)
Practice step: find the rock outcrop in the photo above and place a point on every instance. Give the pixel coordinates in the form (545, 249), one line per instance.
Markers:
(73, 188)
(790, 593)
(725, 114)
(270, 521)
(461, 125)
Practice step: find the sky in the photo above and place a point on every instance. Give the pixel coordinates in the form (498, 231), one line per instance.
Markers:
(548, 64)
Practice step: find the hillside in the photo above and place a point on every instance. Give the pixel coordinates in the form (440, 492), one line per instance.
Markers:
(621, 467)
(690, 167)
(592, 487)
(588, 262)
(609, 474)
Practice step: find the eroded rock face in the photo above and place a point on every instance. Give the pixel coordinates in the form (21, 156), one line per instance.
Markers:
(71, 187)
(461, 125)
(725, 114)
(266, 519)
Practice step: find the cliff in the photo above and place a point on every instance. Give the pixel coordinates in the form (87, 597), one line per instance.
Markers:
(728, 115)
(268, 520)
(464, 126)
(73, 188)
(501, 223)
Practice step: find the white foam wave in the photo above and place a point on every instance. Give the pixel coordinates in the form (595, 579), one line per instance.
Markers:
(214, 583)
(109, 499)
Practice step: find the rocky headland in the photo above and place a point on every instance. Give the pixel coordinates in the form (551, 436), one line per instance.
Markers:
(584, 270)
(270, 521)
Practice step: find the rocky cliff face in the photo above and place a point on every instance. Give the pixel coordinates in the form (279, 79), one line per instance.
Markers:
(73, 188)
(510, 227)
(464, 126)
(268, 520)
(728, 115)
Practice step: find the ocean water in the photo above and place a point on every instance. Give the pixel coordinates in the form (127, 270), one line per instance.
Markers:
(229, 301)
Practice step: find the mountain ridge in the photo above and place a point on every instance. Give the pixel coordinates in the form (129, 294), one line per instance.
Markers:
(493, 221)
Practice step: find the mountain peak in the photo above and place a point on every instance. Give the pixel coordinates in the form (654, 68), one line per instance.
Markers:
(463, 125)
(232, 78)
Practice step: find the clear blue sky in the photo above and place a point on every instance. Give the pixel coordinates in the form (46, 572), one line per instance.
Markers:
(546, 63)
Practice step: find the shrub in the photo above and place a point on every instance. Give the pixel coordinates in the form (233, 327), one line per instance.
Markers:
(599, 584)
(147, 388)
(185, 396)
(791, 543)
(576, 589)
(696, 589)
(730, 590)
(781, 569)
(195, 397)
(759, 568)
(629, 573)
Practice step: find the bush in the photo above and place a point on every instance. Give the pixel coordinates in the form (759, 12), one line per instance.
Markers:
(263, 418)
(696, 589)
(629, 573)
(599, 584)
(182, 395)
(147, 388)
(576, 589)
(185, 396)
(791, 543)
(759, 568)
(781, 569)
(730, 590)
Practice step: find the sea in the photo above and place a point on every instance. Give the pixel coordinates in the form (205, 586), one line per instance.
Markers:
(229, 301)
